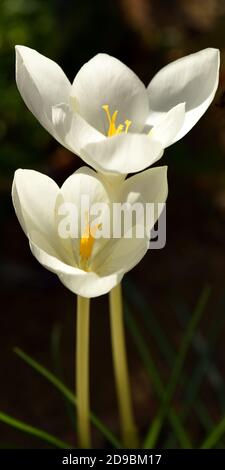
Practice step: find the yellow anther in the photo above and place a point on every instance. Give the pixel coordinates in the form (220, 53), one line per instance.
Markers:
(112, 129)
(114, 116)
(119, 129)
(127, 123)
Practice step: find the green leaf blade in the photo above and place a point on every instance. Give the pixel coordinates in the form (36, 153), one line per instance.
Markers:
(67, 393)
(33, 431)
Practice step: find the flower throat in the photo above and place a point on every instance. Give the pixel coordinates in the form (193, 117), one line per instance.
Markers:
(86, 244)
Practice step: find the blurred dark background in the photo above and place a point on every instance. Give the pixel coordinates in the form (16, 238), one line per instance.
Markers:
(37, 312)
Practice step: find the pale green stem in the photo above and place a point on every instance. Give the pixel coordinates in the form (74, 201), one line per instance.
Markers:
(82, 372)
(129, 432)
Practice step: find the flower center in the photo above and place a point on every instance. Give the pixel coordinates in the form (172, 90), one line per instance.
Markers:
(113, 130)
(86, 244)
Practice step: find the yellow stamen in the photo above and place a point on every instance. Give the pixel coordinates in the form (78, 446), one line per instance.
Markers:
(86, 243)
(113, 130)
(128, 123)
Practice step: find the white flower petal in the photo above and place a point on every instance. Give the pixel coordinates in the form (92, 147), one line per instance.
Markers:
(84, 189)
(192, 79)
(51, 261)
(105, 80)
(72, 130)
(168, 127)
(84, 182)
(86, 284)
(34, 197)
(86, 193)
(91, 284)
(42, 84)
(122, 154)
(121, 255)
(149, 187)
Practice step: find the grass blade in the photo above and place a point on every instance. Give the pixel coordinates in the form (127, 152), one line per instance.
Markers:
(58, 368)
(66, 392)
(165, 347)
(135, 297)
(214, 437)
(156, 427)
(36, 432)
(180, 432)
(206, 366)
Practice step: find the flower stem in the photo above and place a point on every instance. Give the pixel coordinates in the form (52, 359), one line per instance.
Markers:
(82, 371)
(129, 432)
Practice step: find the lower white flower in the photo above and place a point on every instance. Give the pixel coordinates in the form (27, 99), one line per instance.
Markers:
(88, 265)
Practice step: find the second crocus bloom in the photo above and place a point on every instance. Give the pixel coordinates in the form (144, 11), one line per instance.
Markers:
(87, 262)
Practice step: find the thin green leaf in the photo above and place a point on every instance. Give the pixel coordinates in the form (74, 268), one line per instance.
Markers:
(135, 297)
(66, 392)
(8, 445)
(205, 418)
(214, 437)
(205, 366)
(58, 368)
(180, 432)
(36, 432)
(167, 351)
(157, 424)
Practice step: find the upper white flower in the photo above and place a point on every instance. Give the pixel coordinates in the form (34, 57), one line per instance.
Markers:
(107, 116)
(88, 265)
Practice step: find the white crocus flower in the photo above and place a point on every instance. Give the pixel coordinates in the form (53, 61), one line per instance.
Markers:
(87, 265)
(108, 108)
